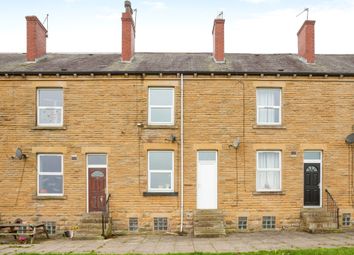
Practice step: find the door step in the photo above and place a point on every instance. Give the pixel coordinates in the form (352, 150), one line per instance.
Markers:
(90, 227)
(317, 221)
(209, 223)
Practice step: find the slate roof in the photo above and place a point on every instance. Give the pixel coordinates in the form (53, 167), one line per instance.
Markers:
(13, 63)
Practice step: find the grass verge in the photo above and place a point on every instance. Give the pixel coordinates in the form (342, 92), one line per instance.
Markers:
(319, 251)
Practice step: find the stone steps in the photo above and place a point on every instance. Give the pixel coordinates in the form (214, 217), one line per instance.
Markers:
(87, 236)
(90, 227)
(317, 221)
(209, 223)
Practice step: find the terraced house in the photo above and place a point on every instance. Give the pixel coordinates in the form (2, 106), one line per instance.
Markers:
(203, 143)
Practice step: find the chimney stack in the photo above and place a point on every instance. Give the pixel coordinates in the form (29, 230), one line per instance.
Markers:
(36, 38)
(218, 40)
(306, 41)
(128, 33)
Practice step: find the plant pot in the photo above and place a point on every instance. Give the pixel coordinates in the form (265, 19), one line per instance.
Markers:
(69, 233)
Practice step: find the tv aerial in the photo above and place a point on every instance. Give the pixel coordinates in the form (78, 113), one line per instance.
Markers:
(307, 10)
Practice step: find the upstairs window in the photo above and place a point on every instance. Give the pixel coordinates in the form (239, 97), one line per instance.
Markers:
(160, 171)
(50, 174)
(161, 106)
(50, 107)
(268, 171)
(268, 106)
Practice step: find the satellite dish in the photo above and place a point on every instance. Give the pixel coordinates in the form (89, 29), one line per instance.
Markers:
(350, 139)
(236, 143)
(19, 154)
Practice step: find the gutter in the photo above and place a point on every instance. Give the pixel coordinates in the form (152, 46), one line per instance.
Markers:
(182, 152)
(282, 73)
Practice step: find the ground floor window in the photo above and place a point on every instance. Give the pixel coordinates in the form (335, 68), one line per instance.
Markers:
(133, 224)
(160, 171)
(268, 222)
(51, 227)
(50, 174)
(22, 229)
(268, 171)
(346, 219)
(160, 224)
(242, 223)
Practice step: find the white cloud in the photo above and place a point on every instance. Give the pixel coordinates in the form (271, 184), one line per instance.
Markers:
(276, 31)
(157, 5)
(266, 32)
(257, 1)
(272, 32)
(108, 14)
(72, 1)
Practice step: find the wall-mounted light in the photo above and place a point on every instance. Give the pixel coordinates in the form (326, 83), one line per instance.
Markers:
(172, 138)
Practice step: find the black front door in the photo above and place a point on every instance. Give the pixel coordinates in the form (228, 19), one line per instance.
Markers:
(312, 177)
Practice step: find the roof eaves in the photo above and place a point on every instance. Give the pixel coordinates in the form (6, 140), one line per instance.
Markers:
(173, 72)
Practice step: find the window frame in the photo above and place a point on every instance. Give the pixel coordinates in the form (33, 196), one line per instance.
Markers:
(267, 222)
(172, 107)
(269, 169)
(133, 224)
(269, 107)
(242, 223)
(160, 224)
(50, 107)
(61, 173)
(161, 171)
(51, 227)
(346, 221)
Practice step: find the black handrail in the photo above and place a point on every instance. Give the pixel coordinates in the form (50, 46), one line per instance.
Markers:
(332, 207)
(106, 215)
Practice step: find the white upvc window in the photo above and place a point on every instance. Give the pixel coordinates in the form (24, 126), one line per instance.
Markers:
(160, 171)
(50, 107)
(268, 171)
(268, 106)
(50, 181)
(161, 106)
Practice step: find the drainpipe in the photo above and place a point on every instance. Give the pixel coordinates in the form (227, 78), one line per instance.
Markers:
(182, 159)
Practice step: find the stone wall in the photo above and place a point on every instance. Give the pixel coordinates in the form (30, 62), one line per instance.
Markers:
(101, 116)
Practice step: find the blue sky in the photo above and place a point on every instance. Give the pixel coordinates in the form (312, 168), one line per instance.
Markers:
(256, 26)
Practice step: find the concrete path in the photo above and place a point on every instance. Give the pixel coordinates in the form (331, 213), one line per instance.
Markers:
(241, 242)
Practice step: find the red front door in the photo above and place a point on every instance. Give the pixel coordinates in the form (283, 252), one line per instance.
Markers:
(97, 189)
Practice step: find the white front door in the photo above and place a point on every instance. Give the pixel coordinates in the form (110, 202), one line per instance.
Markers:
(207, 180)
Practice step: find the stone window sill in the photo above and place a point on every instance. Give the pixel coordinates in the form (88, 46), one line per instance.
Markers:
(35, 197)
(160, 127)
(48, 128)
(260, 193)
(268, 127)
(160, 194)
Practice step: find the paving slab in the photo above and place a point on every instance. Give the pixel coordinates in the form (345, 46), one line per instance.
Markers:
(156, 244)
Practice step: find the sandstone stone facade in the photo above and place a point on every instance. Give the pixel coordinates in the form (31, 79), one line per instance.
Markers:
(101, 115)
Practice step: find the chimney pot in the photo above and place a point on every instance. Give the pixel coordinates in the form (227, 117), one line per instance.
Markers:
(218, 40)
(36, 38)
(128, 33)
(306, 41)
(128, 6)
